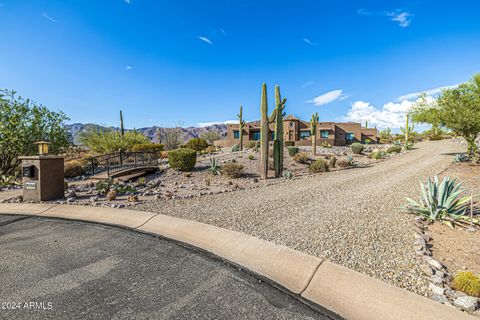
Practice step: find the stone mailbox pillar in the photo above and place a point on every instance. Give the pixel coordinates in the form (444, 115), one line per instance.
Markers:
(43, 178)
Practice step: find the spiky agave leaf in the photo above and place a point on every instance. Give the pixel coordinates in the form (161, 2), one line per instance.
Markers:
(441, 201)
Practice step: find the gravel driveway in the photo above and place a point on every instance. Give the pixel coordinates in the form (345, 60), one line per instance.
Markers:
(350, 217)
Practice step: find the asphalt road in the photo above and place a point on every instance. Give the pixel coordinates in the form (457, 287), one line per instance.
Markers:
(54, 269)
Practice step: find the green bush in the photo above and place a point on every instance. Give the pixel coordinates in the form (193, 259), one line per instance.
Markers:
(235, 148)
(289, 143)
(318, 165)
(378, 155)
(232, 170)
(394, 149)
(182, 159)
(435, 137)
(357, 148)
(251, 157)
(197, 144)
(109, 140)
(148, 147)
(292, 151)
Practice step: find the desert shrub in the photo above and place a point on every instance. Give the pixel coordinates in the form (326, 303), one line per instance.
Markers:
(394, 149)
(289, 143)
(288, 174)
(109, 140)
(74, 168)
(163, 154)
(148, 147)
(197, 144)
(211, 149)
(342, 163)
(8, 181)
(357, 148)
(378, 155)
(252, 144)
(435, 137)
(111, 195)
(292, 151)
(318, 165)
(232, 170)
(182, 159)
(235, 148)
(301, 157)
(251, 157)
(442, 201)
(332, 162)
(467, 282)
(210, 136)
(325, 144)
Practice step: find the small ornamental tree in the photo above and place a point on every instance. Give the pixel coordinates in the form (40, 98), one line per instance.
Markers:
(23, 122)
(459, 110)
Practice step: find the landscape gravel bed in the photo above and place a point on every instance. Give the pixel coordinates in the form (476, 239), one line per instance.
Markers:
(351, 217)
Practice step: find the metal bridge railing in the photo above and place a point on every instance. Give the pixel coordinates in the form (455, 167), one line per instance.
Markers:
(115, 162)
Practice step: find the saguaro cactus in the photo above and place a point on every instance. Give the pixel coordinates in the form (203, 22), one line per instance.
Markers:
(122, 130)
(313, 132)
(241, 125)
(406, 132)
(264, 133)
(366, 124)
(278, 140)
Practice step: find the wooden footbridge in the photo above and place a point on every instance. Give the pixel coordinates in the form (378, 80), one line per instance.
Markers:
(122, 163)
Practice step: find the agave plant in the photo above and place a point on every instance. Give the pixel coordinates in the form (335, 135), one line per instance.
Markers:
(442, 201)
(214, 167)
(351, 161)
(460, 157)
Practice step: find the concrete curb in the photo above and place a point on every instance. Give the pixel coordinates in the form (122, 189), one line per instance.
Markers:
(348, 293)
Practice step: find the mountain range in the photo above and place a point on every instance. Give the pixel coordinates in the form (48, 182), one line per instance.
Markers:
(76, 129)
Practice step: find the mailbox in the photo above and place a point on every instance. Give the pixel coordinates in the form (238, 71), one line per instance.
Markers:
(28, 171)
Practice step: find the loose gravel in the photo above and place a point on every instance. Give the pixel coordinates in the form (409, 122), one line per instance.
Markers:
(351, 217)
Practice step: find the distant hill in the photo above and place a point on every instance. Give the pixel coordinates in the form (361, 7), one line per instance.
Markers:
(76, 129)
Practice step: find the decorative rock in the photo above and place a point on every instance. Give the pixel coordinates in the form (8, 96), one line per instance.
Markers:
(436, 290)
(434, 263)
(436, 279)
(466, 303)
(94, 199)
(440, 298)
(426, 270)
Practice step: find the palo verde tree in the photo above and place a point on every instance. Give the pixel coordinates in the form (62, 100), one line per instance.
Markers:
(459, 110)
(23, 122)
(426, 110)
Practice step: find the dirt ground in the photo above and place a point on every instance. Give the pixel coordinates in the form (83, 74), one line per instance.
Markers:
(458, 248)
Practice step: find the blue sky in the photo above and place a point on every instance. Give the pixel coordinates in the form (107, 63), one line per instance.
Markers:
(198, 61)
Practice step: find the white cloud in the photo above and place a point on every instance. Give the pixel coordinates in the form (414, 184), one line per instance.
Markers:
(307, 84)
(128, 67)
(389, 115)
(46, 16)
(431, 92)
(308, 41)
(205, 39)
(328, 97)
(403, 18)
(207, 124)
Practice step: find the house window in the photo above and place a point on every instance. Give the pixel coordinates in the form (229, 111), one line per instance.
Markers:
(304, 134)
(291, 124)
(255, 135)
(324, 134)
(236, 134)
(349, 136)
